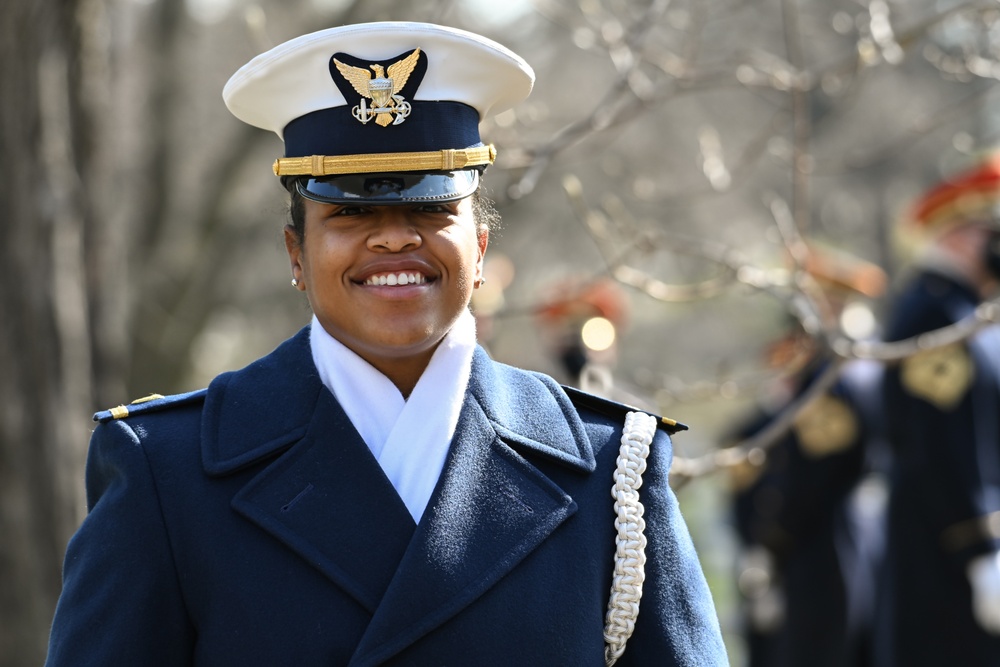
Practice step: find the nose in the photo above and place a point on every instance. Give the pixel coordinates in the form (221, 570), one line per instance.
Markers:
(393, 231)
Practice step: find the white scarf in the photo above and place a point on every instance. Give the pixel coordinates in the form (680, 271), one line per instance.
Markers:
(408, 437)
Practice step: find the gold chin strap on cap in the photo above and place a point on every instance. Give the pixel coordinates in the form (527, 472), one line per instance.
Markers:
(630, 552)
(376, 163)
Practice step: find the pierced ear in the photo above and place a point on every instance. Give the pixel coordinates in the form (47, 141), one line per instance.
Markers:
(484, 239)
(294, 249)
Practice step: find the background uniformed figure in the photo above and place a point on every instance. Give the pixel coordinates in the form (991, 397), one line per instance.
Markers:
(808, 511)
(377, 490)
(581, 322)
(943, 407)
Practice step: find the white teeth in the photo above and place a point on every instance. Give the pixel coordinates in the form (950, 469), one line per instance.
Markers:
(397, 279)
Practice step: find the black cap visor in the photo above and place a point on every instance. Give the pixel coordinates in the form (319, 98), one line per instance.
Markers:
(390, 188)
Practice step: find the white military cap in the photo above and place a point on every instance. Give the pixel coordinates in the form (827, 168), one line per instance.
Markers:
(383, 112)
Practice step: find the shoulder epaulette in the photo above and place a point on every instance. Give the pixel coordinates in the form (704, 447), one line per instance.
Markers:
(151, 403)
(617, 410)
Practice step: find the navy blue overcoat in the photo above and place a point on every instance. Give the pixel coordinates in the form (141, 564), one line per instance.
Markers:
(946, 488)
(249, 524)
(804, 511)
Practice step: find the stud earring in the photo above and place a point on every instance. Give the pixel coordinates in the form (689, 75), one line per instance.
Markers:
(295, 283)
(480, 282)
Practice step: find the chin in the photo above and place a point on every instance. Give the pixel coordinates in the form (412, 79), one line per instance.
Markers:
(403, 346)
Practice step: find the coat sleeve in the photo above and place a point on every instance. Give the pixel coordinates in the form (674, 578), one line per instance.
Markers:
(121, 602)
(677, 623)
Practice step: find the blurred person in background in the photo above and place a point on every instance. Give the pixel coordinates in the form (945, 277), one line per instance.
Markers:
(377, 490)
(942, 595)
(808, 508)
(580, 321)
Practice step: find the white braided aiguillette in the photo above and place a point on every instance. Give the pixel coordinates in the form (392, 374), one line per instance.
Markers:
(630, 554)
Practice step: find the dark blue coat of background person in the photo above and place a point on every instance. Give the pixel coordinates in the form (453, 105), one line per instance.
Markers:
(943, 408)
(808, 509)
(810, 524)
(377, 490)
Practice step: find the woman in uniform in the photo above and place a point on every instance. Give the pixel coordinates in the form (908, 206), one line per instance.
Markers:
(377, 490)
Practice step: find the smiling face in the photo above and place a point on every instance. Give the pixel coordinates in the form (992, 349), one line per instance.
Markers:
(388, 281)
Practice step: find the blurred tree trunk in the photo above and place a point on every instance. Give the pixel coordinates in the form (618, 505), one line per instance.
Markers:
(88, 89)
(44, 347)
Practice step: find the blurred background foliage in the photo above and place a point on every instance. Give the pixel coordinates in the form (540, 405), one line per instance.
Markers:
(681, 151)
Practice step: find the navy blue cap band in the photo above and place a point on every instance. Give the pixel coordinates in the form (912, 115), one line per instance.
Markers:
(431, 126)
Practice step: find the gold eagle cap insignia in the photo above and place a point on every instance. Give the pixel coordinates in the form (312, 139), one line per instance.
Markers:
(382, 87)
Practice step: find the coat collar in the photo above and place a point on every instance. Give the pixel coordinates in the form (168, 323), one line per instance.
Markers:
(265, 408)
(253, 413)
(410, 578)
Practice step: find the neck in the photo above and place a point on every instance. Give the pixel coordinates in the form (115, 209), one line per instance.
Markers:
(404, 372)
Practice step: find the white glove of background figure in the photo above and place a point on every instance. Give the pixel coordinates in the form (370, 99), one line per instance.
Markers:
(984, 575)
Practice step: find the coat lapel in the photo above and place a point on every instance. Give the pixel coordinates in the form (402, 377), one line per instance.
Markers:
(309, 497)
(328, 500)
(491, 508)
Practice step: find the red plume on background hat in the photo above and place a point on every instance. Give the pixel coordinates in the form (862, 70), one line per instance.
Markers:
(971, 195)
(578, 299)
(833, 269)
